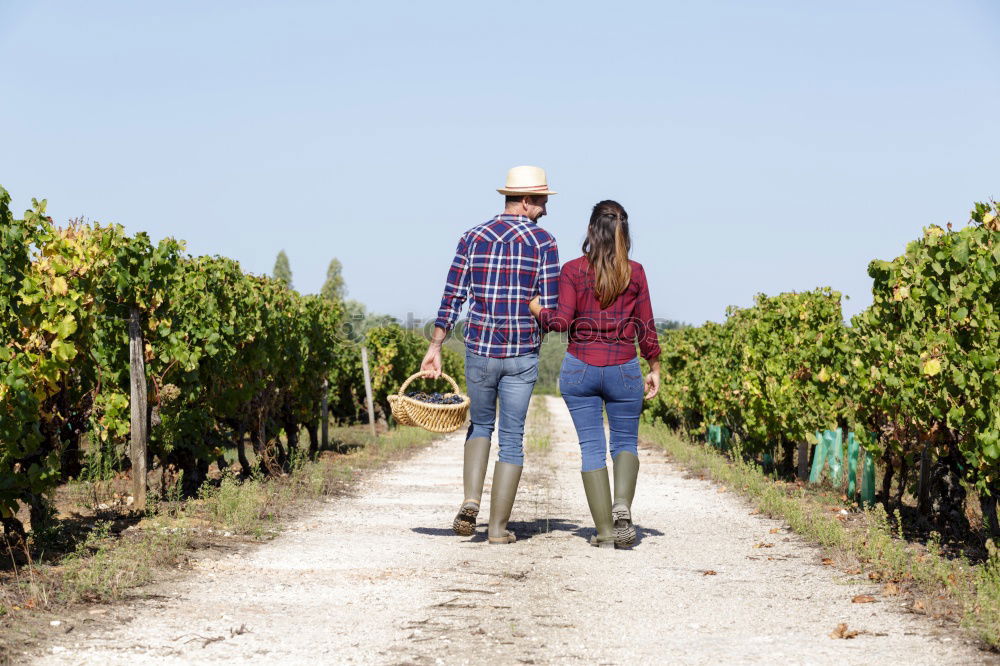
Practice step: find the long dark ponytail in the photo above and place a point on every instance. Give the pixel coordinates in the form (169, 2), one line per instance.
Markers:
(606, 248)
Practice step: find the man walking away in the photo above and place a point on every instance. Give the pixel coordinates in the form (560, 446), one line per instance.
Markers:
(499, 266)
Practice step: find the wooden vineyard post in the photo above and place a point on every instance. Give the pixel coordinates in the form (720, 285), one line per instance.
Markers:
(803, 461)
(324, 412)
(368, 390)
(137, 407)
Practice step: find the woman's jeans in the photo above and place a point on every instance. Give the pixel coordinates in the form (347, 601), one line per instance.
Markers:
(588, 390)
(511, 380)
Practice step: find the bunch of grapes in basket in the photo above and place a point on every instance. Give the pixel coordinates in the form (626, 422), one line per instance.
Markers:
(435, 398)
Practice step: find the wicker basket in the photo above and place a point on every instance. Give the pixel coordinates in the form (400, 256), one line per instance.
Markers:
(436, 418)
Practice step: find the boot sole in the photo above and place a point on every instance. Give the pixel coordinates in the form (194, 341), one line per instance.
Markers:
(465, 522)
(624, 529)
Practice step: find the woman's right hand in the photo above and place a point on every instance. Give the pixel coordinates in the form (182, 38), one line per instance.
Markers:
(652, 384)
(535, 305)
(653, 379)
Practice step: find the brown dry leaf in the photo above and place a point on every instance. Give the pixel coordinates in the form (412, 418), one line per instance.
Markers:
(843, 632)
(918, 605)
(764, 545)
(827, 562)
(890, 589)
(708, 572)
(874, 575)
(863, 599)
(853, 572)
(775, 530)
(755, 512)
(721, 490)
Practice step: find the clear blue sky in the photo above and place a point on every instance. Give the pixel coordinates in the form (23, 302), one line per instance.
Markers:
(768, 146)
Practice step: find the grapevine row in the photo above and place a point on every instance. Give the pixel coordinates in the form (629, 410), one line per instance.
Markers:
(915, 375)
(228, 356)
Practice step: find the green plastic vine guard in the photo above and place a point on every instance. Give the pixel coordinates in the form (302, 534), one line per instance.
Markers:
(852, 465)
(713, 435)
(835, 454)
(768, 462)
(819, 458)
(718, 437)
(868, 479)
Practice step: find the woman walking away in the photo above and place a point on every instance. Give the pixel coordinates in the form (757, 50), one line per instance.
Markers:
(604, 303)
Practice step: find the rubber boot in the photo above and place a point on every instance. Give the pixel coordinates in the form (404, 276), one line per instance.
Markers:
(477, 457)
(598, 490)
(626, 472)
(505, 479)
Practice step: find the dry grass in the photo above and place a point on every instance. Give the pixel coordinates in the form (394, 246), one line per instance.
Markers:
(256, 505)
(107, 567)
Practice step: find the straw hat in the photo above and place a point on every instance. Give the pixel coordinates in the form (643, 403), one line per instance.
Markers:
(526, 180)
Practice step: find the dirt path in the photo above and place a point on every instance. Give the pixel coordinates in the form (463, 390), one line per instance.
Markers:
(380, 578)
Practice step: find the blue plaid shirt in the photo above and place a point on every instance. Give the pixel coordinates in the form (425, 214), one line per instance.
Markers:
(499, 266)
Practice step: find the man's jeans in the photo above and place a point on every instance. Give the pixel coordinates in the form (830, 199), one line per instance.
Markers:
(511, 380)
(590, 389)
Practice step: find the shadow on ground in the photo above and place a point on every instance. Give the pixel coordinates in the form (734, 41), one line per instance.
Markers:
(524, 529)
(641, 533)
(60, 537)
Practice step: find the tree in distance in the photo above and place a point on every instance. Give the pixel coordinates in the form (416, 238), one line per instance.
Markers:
(670, 325)
(360, 321)
(334, 289)
(282, 269)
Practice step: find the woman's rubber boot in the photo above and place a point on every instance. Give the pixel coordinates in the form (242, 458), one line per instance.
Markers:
(477, 457)
(598, 489)
(505, 479)
(626, 473)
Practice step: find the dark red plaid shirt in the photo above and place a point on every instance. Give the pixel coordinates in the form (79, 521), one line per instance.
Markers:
(603, 336)
(499, 266)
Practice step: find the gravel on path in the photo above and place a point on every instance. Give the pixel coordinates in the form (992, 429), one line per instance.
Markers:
(380, 578)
